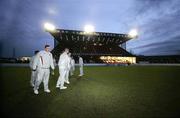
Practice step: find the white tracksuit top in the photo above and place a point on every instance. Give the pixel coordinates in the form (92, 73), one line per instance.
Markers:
(72, 62)
(80, 61)
(32, 61)
(64, 61)
(44, 60)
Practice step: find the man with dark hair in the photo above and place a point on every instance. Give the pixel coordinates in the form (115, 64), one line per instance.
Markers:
(33, 72)
(46, 46)
(43, 62)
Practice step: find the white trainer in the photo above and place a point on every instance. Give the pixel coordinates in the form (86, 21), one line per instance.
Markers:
(36, 92)
(80, 75)
(67, 82)
(57, 86)
(47, 91)
(64, 87)
(32, 85)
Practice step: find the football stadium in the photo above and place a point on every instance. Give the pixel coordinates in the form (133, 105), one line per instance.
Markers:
(113, 84)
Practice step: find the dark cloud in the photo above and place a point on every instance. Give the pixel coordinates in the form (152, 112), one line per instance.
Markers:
(21, 27)
(157, 22)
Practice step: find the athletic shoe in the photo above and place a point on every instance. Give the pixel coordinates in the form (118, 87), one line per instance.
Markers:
(67, 82)
(36, 92)
(64, 87)
(47, 91)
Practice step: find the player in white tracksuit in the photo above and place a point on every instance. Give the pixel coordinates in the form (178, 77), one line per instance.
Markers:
(43, 61)
(68, 69)
(33, 72)
(63, 64)
(81, 66)
(72, 66)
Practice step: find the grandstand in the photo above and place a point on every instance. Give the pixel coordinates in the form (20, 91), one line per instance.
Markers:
(91, 46)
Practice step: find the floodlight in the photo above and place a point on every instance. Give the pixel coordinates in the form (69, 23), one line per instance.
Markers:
(89, 29)
(49, 27)
(133, 33)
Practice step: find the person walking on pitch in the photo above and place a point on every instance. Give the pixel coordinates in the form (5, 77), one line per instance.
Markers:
(43, 62)
(81, 66)
(72, 66)
(63, 64)
(68, 69)
(33, 72)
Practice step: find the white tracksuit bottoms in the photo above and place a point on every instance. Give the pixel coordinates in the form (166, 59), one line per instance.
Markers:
(81, 70)
(42, 75)
(33, 77)
(67, 76)
(61, 79)
(72, 70)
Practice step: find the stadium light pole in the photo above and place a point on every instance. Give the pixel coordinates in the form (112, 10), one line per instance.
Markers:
(133, 33)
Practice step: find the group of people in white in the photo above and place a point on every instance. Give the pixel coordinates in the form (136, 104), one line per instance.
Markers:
(41, 63)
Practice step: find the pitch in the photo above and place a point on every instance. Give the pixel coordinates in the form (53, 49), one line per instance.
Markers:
(104, 92)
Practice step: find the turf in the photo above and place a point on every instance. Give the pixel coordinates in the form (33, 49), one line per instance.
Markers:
(104, 92)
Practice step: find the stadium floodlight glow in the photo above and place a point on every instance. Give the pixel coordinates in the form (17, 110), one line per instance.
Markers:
(49, 27)
(89, 29)
(133, 33)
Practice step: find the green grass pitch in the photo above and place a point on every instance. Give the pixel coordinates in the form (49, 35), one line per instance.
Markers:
(104, 92)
